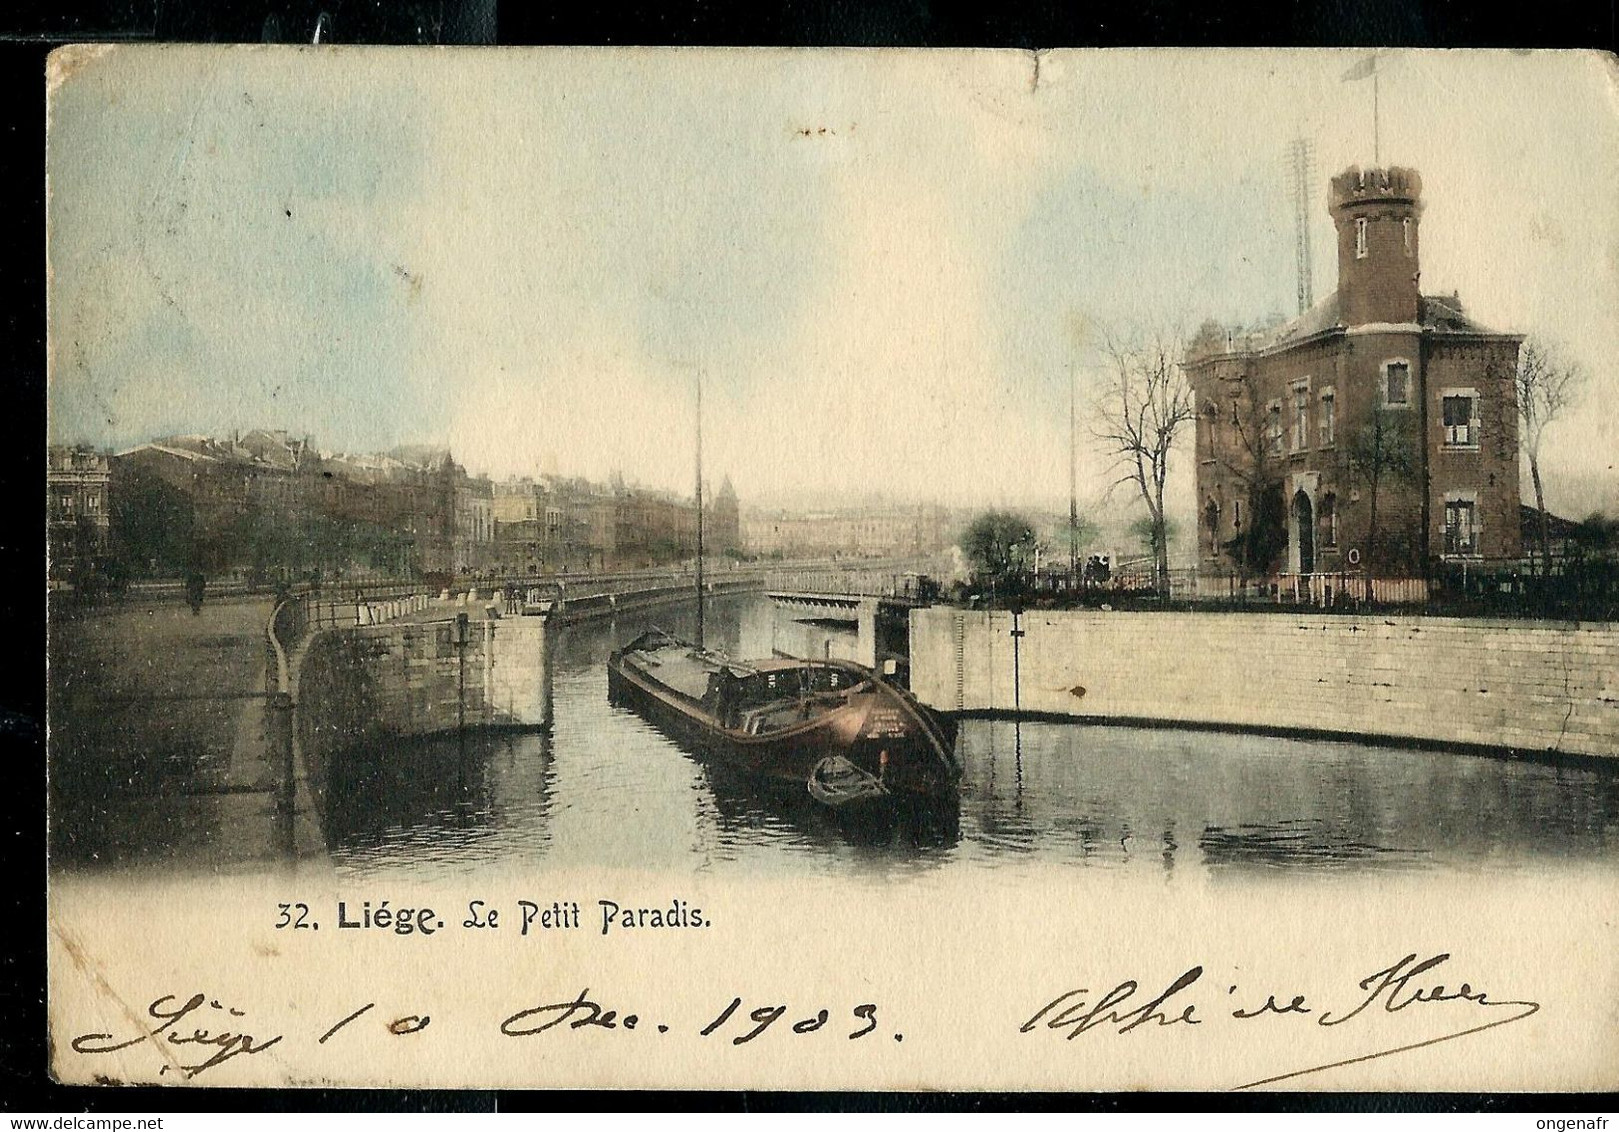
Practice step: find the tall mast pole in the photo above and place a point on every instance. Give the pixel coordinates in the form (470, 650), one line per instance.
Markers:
(700, 641)
(1301, 158)
(1073, 479)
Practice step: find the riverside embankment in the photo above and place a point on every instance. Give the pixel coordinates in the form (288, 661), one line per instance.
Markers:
(364, 674)
(1507, 686)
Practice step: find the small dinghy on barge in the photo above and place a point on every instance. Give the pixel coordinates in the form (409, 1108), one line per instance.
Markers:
(833, 728)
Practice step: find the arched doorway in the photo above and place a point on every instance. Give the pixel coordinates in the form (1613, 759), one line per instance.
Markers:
(1304, 531)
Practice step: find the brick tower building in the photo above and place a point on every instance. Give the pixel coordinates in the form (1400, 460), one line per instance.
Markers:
(1376, 432)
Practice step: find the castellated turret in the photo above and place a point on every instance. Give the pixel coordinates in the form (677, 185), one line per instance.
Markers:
(1377, 213)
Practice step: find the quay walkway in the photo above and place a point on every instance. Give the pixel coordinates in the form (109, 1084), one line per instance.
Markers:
(158, 739)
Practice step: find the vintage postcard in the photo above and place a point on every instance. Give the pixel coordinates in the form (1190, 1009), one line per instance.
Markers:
(833, 569)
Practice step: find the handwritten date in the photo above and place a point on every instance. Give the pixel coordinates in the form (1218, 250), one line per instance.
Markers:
(582, 1012)
(179, 1026)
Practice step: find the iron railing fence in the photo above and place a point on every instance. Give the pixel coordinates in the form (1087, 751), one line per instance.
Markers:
(1572, 588)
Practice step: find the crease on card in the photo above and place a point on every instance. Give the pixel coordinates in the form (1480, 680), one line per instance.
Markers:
(88, 966)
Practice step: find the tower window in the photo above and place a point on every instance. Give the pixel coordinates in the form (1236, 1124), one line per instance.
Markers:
(1360, 238)
(1405, 231)
(1397, 383)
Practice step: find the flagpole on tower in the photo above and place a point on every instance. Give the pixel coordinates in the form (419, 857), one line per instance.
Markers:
(1377, 158)
(1368, 67)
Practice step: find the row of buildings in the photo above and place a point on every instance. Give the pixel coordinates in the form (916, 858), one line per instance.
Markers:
(556, 523)
(1378, 431)
(266, 504)
(887, 531)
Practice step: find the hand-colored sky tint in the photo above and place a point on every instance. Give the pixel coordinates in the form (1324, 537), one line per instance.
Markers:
(884, 263)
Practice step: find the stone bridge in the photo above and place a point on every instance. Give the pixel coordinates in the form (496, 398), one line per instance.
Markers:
(867, 629)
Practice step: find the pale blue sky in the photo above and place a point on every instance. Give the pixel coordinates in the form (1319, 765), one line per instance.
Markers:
(876, 259)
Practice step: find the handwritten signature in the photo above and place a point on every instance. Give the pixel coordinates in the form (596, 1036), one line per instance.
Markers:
(1397, 987)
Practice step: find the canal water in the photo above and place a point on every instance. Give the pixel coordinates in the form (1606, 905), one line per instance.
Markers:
(604, 788)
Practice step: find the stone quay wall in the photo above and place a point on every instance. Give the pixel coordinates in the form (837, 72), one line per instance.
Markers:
(359, 685)
(1528, 687)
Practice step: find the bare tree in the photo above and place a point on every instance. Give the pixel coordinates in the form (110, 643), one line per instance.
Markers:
(1244, 446)
(1145, 401)
(1548, 383)
(1383, 453)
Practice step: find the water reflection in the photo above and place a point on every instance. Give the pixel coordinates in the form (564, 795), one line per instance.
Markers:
(606, 789)
(1294, 841)
(440, 796)
(742, 803)
(1121, 796)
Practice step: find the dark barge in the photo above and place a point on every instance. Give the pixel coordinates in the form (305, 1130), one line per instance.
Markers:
(833, 728)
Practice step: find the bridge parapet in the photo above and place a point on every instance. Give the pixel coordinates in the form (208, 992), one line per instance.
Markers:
(867, 629)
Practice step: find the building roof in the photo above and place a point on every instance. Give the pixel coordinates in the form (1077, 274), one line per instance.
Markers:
(1321, 317)
(170, 449)
(428, 456)
(1438, 314)
(75, 458)
(206, 449)
(277, 447)
(1443, 313)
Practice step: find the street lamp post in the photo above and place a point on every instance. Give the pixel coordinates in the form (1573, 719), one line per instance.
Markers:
(1073, 480)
